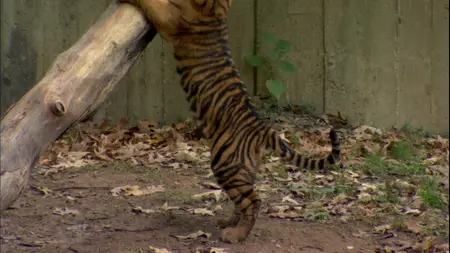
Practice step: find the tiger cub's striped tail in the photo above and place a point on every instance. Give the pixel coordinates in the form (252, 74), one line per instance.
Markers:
(301, 161)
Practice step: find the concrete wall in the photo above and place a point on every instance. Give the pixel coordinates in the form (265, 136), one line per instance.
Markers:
(301, 23)
(384, 62)
(34, 32)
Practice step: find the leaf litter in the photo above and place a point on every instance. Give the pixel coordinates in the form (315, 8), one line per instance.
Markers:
(192, 236)
(136, 190)
(383, 175)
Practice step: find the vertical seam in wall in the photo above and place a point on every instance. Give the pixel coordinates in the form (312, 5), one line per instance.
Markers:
(324, 58)
(164, 81)
(255, 45)
(397, 63)
(431, 48)
(39, 44)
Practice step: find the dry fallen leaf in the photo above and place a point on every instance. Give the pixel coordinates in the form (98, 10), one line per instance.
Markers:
(158, 250)
(216, 194)
(75, 164)
(70, 198)
(217, 208)
(397, 248)
(187, 156)
(217, 250)
(367, 130)
(163, 209)
(340, 199)
(139, 209)
(77, 155)
(279, 179)
(210, 185)
(383, 228)
(285, 212)
(365, 187)
(149, 190)
(210, 250)
(266, 188)
(273, 159)
(101, 155)
(360, 234)
(444, 246)
(42, 189)
(116, 191)
(429, 242)
(65, 211)
(414, 227)
(125, 152)
(289, 200)
(202, 211)
(431, 160)
(135, 190)
(283, 137)
(412, 211)
(365, 197)
(199, 234)
(166, 207)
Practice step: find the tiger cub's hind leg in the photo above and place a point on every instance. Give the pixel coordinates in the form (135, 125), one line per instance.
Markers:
(237, 182)
(232, 221)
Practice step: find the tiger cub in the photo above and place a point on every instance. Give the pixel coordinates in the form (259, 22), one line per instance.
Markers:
(236, 133)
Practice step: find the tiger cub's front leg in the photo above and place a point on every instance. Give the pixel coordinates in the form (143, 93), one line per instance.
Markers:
(164, 15)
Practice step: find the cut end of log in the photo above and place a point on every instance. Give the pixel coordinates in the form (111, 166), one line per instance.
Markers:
(58, 108)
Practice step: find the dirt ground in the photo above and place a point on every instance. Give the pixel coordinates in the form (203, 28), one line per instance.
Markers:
(142, 188)
(107, 224)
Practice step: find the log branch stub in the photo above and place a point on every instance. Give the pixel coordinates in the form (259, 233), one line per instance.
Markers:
(83, 77)
(58, 108)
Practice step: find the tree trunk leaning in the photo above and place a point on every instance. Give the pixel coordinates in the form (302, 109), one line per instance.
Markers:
(77, 83)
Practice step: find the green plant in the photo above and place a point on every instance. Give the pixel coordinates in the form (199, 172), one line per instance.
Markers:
(306, 107)
(321, 216)
(375, 164)
(402, 151)
(273, 63)
(399, 223)
(259, 177)
(430, 194)
(407, 128)
(389, 195)
(410, 131)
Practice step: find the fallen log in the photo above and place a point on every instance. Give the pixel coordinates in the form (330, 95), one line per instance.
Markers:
(76, 84)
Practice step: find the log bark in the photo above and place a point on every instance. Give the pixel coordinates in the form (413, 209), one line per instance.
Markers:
(76, 84)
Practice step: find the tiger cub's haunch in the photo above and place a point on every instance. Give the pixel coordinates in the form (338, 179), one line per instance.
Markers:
(199, 34)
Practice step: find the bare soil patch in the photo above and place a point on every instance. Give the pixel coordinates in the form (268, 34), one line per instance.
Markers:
(130, 189)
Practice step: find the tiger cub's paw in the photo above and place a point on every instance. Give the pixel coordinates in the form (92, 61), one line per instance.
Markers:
(233, 235)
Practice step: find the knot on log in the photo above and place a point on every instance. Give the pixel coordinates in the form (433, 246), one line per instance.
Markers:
(58, 108)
